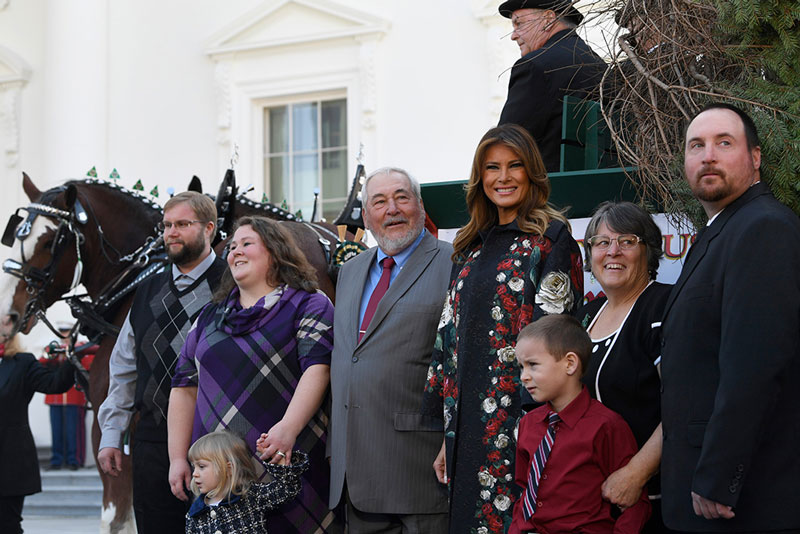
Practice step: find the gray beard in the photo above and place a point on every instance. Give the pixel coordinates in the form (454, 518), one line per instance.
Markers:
(399, 244)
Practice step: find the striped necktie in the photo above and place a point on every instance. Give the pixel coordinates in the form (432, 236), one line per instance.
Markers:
(537, 466)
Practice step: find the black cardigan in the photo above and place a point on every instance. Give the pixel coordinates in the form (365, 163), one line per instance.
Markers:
(628, 381)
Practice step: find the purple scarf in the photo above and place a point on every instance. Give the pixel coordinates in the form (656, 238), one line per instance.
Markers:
(238, 321)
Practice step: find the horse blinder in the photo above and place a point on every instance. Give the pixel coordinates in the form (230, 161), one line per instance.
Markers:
(13, 267)
(80, 213)
(11, 229)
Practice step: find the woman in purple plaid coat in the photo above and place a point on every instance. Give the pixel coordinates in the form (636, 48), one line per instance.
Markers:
(257, 361)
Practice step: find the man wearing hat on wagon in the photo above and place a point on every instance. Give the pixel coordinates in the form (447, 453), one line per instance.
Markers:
(555, 62)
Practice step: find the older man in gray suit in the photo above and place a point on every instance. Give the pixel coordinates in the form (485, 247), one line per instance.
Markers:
(388, 303)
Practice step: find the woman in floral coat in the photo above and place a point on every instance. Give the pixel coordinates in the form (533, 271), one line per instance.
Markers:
(514, 262)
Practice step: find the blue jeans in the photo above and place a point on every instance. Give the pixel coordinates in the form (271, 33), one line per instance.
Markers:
(64, 427)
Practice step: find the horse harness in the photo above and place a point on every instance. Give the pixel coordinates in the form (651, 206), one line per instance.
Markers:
(35, 278)
(225, 201)
(147, 260)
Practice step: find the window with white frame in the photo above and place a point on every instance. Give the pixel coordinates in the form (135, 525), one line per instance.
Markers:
(305, 148)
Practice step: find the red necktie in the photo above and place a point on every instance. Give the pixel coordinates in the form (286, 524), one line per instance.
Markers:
(537, 466)
(377, 294)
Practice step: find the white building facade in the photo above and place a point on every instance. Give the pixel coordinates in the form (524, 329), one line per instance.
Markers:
(163, 90)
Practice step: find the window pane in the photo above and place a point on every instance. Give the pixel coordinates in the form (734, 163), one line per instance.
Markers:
(334, 183)
(305, 180)
(278, 129)
(305, 147)
(331, 210)
(278, 175)
(304, 122)
(334, 174)
(334, 123)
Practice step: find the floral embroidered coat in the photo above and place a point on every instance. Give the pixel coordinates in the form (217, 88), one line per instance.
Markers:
(508, 279)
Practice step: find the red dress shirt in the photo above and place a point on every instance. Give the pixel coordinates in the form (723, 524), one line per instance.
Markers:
(591, 443)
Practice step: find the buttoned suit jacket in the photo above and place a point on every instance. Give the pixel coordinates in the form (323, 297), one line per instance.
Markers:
(730, 371)
(379, 440)
(540, 80)
(20, 376)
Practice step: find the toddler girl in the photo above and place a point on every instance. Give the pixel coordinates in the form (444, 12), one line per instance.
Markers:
(229, 499)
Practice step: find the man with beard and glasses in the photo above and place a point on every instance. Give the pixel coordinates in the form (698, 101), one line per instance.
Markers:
(143, 360)
(730, 355)
(389, 300)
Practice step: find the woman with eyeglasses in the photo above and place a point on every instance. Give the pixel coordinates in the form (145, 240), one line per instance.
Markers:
(623, 248)
(515, 261)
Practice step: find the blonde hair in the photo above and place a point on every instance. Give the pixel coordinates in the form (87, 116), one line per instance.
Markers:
(231, 460)
(12, 346)
(202, 206)
(534, 215)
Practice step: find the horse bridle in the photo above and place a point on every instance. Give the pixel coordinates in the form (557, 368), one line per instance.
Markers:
(35, 278)
(144, 261)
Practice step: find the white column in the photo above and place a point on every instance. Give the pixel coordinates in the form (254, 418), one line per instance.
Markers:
(76, 90)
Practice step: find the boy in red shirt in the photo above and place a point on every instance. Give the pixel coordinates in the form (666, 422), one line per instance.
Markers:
(567, 448)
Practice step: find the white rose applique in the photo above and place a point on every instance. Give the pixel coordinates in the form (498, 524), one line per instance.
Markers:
(555, 293)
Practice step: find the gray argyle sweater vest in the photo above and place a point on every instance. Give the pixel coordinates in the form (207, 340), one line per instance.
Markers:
(161, 316)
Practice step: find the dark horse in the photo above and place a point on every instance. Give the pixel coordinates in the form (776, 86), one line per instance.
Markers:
(105, 237)
(104, 225)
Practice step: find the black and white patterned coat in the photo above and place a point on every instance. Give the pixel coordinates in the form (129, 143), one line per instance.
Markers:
(247, 514)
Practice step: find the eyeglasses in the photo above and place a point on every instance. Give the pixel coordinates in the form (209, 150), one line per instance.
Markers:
(526, 20)
(180, 225)
(625, 241)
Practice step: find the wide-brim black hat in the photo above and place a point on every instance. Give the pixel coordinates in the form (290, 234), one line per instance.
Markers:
(564, 8)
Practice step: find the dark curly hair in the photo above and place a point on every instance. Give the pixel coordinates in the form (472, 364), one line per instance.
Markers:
(289, 264)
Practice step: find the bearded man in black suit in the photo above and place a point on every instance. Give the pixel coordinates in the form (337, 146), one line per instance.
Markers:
(730, 359)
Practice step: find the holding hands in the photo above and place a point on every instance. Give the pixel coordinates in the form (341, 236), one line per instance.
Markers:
(624, 487)
(275, 446)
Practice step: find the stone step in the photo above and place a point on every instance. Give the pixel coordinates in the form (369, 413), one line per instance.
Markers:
(85, 476)
(43, 454)
(68, 502)
(67, 493)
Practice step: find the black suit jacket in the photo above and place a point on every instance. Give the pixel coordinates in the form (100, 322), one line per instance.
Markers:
(730, 371)
(565, 65)
(20, 376)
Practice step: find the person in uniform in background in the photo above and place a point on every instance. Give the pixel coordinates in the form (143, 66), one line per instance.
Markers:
(67, 410)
